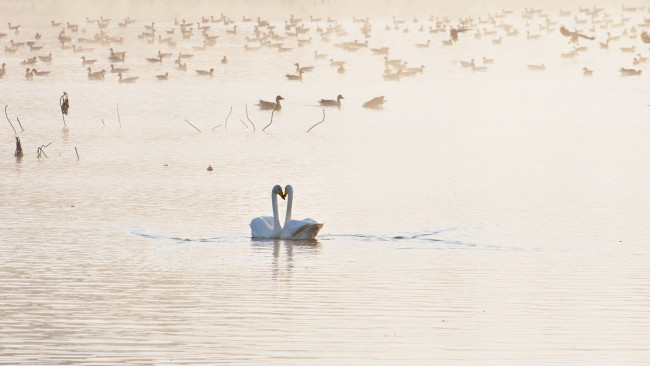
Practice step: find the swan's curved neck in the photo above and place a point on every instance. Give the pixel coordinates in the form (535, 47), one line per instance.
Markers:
(277, 228)
(289, 206)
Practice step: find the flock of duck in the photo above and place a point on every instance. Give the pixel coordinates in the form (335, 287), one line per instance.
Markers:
(184, 40)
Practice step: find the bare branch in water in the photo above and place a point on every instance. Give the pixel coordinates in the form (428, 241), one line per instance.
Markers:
(244, 123)
(19, 148)
(270, 122)
(40, 150)
(323, 120)
(249, 120)
(226, 123)
(118, 114)
(75, 150)
(12, 126)
(20, 124)
(193, 126)
(104, 124)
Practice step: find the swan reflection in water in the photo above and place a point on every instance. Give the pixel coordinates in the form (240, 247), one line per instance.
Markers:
(284, 252)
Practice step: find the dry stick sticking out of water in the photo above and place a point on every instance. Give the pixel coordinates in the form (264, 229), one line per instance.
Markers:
(75, 150)
(12, 126)
(244, 123)
(323, 120)
(118, 114)
(20, 124)
(249, 120)
(226, 123)
(270, 122)
(40, 150)
(193, 126)
(104, 124)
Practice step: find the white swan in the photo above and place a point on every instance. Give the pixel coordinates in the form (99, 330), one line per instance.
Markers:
(267, 227)
(298, 229)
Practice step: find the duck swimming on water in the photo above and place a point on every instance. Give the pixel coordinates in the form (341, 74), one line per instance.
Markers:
(264, 105)
(332, 103)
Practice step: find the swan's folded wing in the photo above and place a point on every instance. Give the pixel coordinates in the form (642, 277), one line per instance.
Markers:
(301, 229)
(261, 226)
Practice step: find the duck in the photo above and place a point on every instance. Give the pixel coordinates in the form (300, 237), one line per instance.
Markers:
(29, 61)
(341, 70)
(163, 77)
(205, 73)
(85, 62)
(264, 105)
(331, 103)
(587, 72)
(375, 103)
(117, 70)
(129, 80)
(295, 77)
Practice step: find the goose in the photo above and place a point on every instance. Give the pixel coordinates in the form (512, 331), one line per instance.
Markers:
(3, 71)
(264, 105)
(497, 41)
(117, 70)
(627, 49)
(380, 51)
(393, 76)
(304, 68)
(295, 77)
(47, 58)
(99, 75)
(375, 103)
(423, 45)
(164, 55)
(55, 24)
(478, 68)
(154, 60)
(447, 42)
(539, 67)
(33, 47)
(224, 60)
(79, 49)
(205, 73)
(487, 61)
(466, 64)
(532, 36)
(129, 80)
(40, 73)
(341, 70)
(29, 61)
(249, 48)
(318, 56)
(85, 62)
(574, 36)
(629, 72)
(336, 63)
(587, 72)
(29, 74)
(163, 77)
(331, 103)
(182, 67)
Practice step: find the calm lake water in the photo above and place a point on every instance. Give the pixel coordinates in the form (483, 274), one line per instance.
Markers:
(495, 218)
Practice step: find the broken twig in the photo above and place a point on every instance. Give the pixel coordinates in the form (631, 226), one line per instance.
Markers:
(193, 126)
(12, 126)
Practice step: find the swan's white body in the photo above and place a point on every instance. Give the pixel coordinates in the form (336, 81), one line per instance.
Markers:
(266, 227)
(298, 229)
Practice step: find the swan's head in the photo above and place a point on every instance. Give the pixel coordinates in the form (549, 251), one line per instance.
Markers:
(288, 189)
(278, 190)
